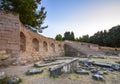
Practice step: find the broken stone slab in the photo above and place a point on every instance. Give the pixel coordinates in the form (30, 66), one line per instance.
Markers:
(98, 77)
(34, 71)
(108, 69)
(105, 72)
(38, 64)
(82, 72)
(94, 70)
(102, 64)
(91, 68)
(99, 73)
(116, 66)
(2, 75)
(50, 59)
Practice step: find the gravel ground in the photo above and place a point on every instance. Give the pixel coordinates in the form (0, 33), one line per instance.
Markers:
(43, 78)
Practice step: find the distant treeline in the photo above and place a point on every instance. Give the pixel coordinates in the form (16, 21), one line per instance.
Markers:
(109, 38)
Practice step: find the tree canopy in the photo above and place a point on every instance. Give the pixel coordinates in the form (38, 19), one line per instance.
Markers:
(31, 15)
(69, 36)
(59, 37)
(104, 38)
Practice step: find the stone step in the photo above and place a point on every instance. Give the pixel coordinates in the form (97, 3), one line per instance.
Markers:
(2, 51)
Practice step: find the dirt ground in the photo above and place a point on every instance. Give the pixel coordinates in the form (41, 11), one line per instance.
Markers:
(68, 78)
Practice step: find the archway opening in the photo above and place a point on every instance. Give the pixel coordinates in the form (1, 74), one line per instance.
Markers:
(45, 46)
(53, 47)
(22, 42)
(60, 47)
(35, 44)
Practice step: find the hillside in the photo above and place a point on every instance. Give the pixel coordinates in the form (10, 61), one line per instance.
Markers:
(85, 49)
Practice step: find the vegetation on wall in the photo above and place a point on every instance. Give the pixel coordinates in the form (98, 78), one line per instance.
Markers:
(30, 12)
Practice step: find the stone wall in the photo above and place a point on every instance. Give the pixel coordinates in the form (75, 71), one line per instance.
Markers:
(35, 46)
(72, 52)
(22, 43)
(80, 49)
(9, 33)
(94, 47)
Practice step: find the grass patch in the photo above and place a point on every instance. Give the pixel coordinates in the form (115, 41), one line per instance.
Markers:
(6, 79)
(56, 76)
(73, 76)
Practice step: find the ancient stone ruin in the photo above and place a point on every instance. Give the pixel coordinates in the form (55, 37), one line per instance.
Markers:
(18, 43)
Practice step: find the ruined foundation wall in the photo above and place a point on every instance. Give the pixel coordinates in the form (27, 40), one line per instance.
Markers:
(24, 44)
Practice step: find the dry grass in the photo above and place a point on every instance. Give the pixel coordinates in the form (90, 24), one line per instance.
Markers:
(108, 48)
(109, 59)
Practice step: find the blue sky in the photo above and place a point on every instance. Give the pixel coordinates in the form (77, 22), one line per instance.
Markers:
(80, 16)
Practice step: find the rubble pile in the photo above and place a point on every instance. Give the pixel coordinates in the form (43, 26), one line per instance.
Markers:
(97, 69)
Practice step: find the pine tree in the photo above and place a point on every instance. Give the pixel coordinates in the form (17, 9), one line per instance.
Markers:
(29, 13)
(59, 37)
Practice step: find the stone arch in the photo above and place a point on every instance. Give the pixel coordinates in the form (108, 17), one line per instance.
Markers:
(22, 42)
(59, 46)
(45, 46)
(53, 47)
(35, 44)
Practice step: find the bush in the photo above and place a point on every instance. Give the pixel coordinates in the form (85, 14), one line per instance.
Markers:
(11, 80)
(4, 80)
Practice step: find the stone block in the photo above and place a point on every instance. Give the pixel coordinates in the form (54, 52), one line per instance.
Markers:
(4, 56)
(2, 75)
(14, 80)
(34, 71)
(2, 51)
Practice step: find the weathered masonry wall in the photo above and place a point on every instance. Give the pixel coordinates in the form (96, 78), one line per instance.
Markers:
(9, 37)
(35, 46)
(23, 44)
(72, 52)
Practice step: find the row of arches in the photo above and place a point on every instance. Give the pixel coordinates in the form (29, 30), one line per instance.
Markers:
(35, 44)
